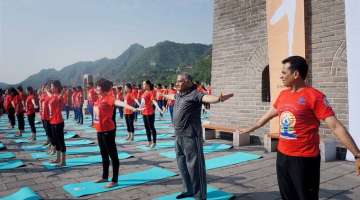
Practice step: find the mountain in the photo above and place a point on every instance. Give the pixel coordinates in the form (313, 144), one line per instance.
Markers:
(159, 63)
(3, 85)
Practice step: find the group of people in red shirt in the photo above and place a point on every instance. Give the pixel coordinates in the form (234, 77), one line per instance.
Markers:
(16, 103)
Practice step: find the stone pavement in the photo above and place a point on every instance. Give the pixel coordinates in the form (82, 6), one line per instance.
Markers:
(250, 180)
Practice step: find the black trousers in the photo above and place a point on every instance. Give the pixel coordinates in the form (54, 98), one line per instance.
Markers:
(21, 121)
(191, 163)
(47, 128)
(129, 118)
(57, 131)
(149, 121)
(298, 177)
(31, 120)
(108, 149)
(11, 116)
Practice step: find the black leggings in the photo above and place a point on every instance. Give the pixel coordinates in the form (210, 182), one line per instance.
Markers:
(57, 131)
(129, 118)
(47, 128)
(149, 121)
(108, 149)
(21, 121)
(31, 120)
(11, 116)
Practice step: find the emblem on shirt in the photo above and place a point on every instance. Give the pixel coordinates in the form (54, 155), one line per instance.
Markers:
(287, 125)
(302, 100)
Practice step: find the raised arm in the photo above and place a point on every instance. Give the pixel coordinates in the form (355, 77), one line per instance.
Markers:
(345, 138)
(271, 113)
(157, 106)
(124, 104)
(216, 99)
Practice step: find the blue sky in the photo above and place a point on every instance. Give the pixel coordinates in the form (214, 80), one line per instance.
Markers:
(38, 34)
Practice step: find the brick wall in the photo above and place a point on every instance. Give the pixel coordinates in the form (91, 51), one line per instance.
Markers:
(240, 55)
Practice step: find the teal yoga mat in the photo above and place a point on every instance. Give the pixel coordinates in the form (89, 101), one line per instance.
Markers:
(6, 155)
(73, 151)
(11, 164)
(40, 147)
(127, 180)
(80, 161)
(213, 193)
(25, 135)
(159, 145)
(67, 135)
(142, 138)
(231, 159)
(24, 193)
(207, 149)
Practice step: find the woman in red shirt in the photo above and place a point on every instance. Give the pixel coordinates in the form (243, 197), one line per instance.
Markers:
(18, 104)
(9, 108)
(30, 111)
(44, 115)
(130, 100)
(56, 105)
(80, 103)
(147, 105)
(170, 102)
(106, 131)
(120, 97)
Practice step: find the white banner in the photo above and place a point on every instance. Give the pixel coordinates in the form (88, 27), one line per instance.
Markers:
(352, 15)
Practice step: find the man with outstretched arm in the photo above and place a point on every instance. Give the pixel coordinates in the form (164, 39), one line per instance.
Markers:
(188, 131)
(301, 108)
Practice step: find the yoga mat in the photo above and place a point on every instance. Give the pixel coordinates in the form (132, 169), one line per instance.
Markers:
(67, 135)
(40, 147)
(7, 155)
(159, 145)
(163, 127)
(2, 146)
(206, 149)
(127, 180)
(80, 161)
(73, 151)
(24, 193)
(142, 138)
(231, 159)
(213, 193)
(11, 164)
(24, 135)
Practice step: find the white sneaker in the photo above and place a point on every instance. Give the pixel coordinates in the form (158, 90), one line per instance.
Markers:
(153, 145)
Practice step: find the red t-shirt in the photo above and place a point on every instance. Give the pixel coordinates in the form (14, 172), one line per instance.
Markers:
(119, 96)
(65, 97)
(300, 114)
(56, 105)
(135, 93)
(140, 93)
(79, 98)
(171, 102)
(92, 96)
(44, 108)
(158, 95)
(7, 103)
(73, 98)
(148, 97)
(103, 113)
(18, 103)
(30, 109)
(130, 100)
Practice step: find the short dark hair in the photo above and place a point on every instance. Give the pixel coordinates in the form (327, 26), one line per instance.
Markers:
(187, 76)
(104, 84)
(297, 63)
(148, 82)
(20, 88)
(30, 90)
(128, 85)
(57, 85)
